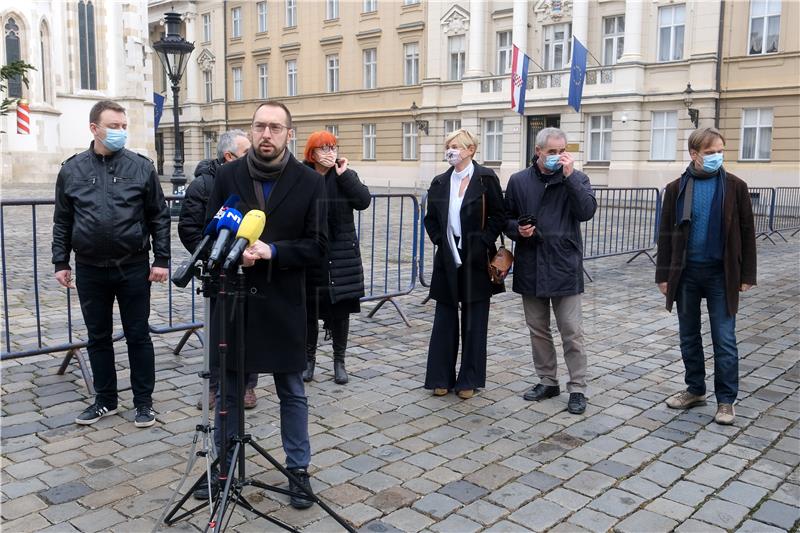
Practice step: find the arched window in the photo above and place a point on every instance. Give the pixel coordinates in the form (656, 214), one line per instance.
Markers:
(13, 54)
(86, 42)
(44, 35)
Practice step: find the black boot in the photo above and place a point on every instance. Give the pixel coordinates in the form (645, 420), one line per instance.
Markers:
(308, 373)
(312, 335)
(339, 333)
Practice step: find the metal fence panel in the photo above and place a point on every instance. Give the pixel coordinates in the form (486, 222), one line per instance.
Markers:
(786, 210)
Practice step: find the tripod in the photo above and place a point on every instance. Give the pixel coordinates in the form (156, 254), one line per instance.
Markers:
(232, 477)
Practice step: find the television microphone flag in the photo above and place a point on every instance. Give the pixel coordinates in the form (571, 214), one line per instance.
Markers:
(519, 78)
(577, 74)
(23, 118)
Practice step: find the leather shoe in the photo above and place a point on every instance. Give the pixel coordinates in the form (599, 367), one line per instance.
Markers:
(542, 392)
(339, 372)
(300, 502)
(308, 373)
(577, 403)
(201, 492)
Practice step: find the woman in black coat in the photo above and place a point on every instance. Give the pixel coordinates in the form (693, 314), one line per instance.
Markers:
(335, 285)
(465, 214)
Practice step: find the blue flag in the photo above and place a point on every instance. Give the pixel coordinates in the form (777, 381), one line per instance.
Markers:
(158, 100)
(577, 74)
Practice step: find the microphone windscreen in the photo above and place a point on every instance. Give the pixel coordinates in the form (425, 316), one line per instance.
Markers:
(252, 226)
(230, 220)
(211, 228)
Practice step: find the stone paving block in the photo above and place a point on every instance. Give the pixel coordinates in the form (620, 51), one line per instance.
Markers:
(613, 468)
(31, 522)
(97, 520)
(408, 520)
(391, 499)
(492, 477)
(358, 514)
(590, 483)
(778, 514)
(539, 515)
(563, 468)
(483, 512)
(540, 481)
(720, 513)
(27, 469)
(682, 457)
(62, 512)
(662, 473)
(456, 524)
(616, 502)
(754, 526)
(65, 493)
(436, 505)
(591, 520)
(16, 489)
(59, 476)
(645, 521)
(22, 506)
(760, 479)
(787, 493)
(463, 491)
(710, 475)
(375, 481)
(632, 457)
(362, 463)
(642, 487)
(743, 493)
(676, 511)
(566, 498)
(513, 495)
(376, 526)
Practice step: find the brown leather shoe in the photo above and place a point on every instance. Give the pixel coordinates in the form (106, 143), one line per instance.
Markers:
(466, 394)
(250, 399)
(439, 392)
(725, 414)
(685, 400)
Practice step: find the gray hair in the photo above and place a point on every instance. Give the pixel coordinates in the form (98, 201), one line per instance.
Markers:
(545, 133)
(227, 142)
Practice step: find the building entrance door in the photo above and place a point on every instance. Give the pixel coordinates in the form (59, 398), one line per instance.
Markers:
(537, 123)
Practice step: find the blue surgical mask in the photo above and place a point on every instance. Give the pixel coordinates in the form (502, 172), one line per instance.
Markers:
(551, 162)
(712, 162)
(115, 139)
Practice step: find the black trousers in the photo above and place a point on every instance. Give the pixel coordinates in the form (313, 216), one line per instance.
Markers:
(443, 346)
(97, 289)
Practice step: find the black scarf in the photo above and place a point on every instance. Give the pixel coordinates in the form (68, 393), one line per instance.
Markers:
(715, 235)
(261, 170)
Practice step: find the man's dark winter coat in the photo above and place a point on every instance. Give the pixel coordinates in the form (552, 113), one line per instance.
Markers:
(193, 208)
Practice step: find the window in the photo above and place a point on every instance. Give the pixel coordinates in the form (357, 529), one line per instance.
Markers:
(208, 145)
(86, 40)
(493, 139)
(13, 54)
(455, 46)
(600, 138)
(557, 46)
(261, 9)
(765, 22)
(503, 52)
(670, 32)
(208, 85)
(613, 39)
(756, 134)
(46, 70)
(409, 140)
(206, 27)
(664, 135)
(370, 68)
(451, 125)
(333, 73)
(369, 137)
(411, 63)
(291, 13)
(370, 6)
(332, 128)
(236, 22)
(236, 74)
(263, 78)
(410, 2)
(331, 9)
(291, 77)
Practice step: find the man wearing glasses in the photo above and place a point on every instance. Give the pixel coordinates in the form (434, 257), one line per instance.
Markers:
(269, 178)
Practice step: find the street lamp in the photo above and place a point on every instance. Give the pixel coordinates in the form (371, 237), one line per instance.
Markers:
(422, 125)
(688, 100)
(174, 51)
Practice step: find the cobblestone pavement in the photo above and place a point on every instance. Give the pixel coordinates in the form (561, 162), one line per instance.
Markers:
(390, 457)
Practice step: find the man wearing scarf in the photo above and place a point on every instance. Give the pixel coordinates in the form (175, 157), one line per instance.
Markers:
(270, 179)
(707, 249)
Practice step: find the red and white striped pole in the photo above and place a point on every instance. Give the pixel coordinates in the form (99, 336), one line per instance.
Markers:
(23, 118)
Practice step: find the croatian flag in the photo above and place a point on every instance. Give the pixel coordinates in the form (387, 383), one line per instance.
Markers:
(519, 77)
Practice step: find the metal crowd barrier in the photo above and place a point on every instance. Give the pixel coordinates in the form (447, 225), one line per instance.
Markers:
(785, 211)
(388, 231)
(763, 202)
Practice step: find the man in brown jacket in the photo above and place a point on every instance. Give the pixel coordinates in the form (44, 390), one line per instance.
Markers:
(707, 249)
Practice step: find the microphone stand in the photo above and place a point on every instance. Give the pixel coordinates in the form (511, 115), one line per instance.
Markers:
(232, 477)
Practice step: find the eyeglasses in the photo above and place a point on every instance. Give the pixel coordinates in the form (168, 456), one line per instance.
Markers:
(327, 149)
(274, 127)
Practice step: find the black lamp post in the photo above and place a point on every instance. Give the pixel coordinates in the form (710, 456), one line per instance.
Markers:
(688, 100)
(422, 125)
(174, 52)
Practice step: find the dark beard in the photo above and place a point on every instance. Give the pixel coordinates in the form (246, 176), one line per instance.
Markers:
(266, 159)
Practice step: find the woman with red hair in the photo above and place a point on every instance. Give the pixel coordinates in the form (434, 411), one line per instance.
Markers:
(335, 286)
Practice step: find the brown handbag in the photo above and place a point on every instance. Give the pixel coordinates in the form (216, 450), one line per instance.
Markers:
(500, 265)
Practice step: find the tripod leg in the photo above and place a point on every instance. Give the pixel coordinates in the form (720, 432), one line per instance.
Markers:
(225, 495)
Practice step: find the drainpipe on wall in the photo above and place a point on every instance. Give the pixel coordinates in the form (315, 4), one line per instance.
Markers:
(719, 64)
(225, 57)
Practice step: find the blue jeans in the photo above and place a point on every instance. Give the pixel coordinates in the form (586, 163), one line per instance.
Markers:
(294, 417)
(98, 287)
(698, 281)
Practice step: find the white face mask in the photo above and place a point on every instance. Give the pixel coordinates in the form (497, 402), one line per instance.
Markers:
(453, 156)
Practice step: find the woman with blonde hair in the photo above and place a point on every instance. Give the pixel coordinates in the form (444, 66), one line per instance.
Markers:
(465, 214)
(334, 287)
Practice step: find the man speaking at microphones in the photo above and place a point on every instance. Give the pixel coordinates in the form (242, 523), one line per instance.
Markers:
(269, 179)
(108, 207)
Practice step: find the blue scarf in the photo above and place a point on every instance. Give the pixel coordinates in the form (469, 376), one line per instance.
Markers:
(683, 208)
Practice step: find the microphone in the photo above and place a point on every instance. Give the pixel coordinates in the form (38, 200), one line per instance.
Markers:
(183, 274)
(226, 229)
(249, 232)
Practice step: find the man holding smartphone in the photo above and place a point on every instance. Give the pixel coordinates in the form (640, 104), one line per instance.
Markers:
(546, 204)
